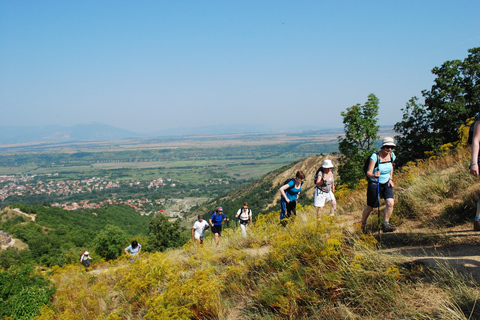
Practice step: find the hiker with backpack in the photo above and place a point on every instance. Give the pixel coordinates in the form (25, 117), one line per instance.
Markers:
(324, 188)
(216, 220)
(198, 229)
(133, 250)
(474, 141)
(85, 259)
(244, 215)
(379, 174)
(290, 191)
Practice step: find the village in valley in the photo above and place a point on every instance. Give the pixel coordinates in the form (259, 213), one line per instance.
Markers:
(27, 185)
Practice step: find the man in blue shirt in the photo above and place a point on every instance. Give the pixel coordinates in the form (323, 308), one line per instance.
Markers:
(216, 220)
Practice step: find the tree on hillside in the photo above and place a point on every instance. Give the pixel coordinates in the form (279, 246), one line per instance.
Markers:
(361, 129)
(110, 242)
(453, 98)
(164, 234)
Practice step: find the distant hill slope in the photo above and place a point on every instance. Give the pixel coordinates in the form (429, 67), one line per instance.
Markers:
(91, 131)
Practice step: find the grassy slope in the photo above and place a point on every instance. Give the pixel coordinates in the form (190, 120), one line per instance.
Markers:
(310, 269)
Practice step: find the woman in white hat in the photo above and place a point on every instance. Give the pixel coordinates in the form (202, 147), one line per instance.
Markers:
(380, 183)
(324, 188)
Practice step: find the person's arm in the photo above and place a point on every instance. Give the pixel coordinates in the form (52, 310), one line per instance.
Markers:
(126, 252)
(250, 217)
(210, 220)
(139, 248)
(318, 183)
(390, 181)
(238, 213)
(333, 186)
(282, 191)
(225, 218)
(475, 149)
(193, 230)
(370, 173)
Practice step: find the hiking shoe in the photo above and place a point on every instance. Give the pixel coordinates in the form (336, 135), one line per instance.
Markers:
(388, 228)
(476, 225)
(364, 228)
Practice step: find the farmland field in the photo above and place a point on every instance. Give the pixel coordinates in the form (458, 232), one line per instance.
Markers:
(196, 167)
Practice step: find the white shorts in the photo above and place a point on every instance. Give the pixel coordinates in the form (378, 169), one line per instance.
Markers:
(200, 236)
(320, 198)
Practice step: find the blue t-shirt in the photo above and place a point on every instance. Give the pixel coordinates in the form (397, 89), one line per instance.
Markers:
(292, 192)
(217, 218)
(384, 167)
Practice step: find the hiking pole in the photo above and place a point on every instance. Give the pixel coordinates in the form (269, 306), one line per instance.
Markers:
(378, 199)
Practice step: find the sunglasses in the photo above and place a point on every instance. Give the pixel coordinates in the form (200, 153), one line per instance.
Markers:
(389, 147)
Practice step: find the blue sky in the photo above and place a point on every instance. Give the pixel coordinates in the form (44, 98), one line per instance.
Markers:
(154, 65)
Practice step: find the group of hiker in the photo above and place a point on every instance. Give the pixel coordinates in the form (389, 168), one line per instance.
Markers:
(379, 173)
(244, 214)
(132, 251)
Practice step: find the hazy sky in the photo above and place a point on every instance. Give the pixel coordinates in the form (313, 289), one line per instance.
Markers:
(152, 65)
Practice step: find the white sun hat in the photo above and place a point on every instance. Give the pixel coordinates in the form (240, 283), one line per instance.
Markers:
(327, 164)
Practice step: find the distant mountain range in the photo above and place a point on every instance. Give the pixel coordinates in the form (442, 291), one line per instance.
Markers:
(95, 131)
(92, 131)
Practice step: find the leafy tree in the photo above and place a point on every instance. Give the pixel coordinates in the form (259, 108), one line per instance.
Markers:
(12, 256)
(164, 234)
(361, 129)
(416, 136)
(109, 242)
(23, 292)
(453, 98)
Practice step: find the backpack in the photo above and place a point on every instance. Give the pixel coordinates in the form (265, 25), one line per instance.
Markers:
(470, 132)
(316, 174)
(287, 181)
(367, 162)
(249, 213)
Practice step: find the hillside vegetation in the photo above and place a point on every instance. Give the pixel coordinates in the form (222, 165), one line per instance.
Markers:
(310, 269)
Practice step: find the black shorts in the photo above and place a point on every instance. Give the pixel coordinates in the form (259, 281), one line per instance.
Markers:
(244, 221)
(217, 229)
(386, 192)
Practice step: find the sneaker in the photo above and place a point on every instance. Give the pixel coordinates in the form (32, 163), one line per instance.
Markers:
(476, 225)
(388, 228)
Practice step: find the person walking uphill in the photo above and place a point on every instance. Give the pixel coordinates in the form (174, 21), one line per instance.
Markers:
(380, 183)
(324, 188)
(290, 192)
(244, 214)
(216, 220)
(474, 164)
(198, 229)
(85, 259)
(133, 250)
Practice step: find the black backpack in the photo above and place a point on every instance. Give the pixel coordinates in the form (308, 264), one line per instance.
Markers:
(367, 162)
(287, 181)
(316, 174)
